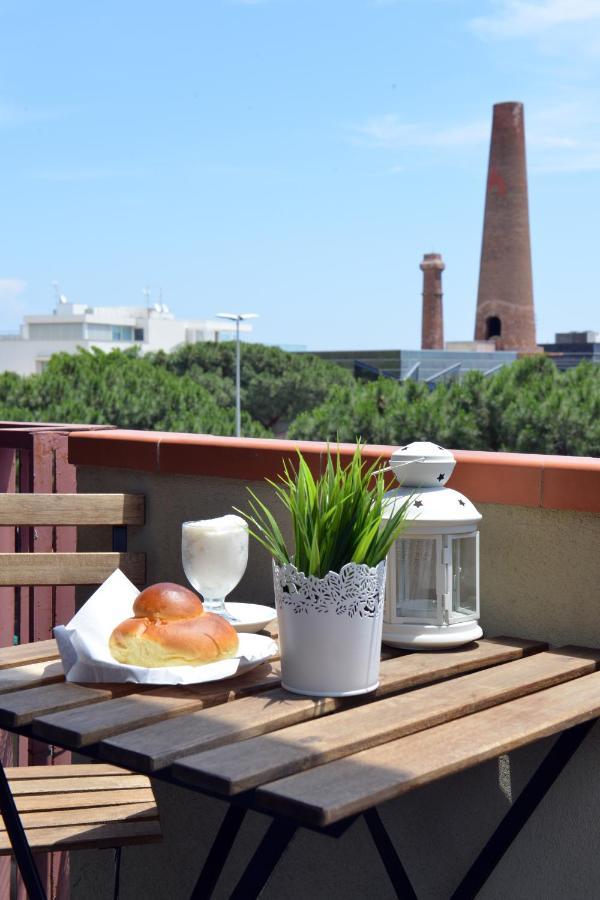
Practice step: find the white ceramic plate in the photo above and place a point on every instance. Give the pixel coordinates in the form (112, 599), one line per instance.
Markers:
(250, 617)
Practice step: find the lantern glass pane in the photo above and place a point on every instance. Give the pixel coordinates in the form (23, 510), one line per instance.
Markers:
(464, 576)
(416, 567)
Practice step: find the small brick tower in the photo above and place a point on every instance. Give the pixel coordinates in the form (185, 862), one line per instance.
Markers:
(432, 329)
(505, 311)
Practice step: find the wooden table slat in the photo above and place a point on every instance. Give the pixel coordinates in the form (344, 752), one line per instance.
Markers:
(20, 654)
(30, 675)
(73, 837)
(82, 726)
(87, 815)
(78, 783)
(112, 797)
(338, 789)
(156, 746)
(20, 708)
(229, 770)
(30, 773)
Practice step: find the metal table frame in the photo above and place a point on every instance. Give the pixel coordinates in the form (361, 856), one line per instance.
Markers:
(281, 831)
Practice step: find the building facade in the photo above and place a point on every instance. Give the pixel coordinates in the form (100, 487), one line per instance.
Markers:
(572, 347)
(74, 325)
(431, 366)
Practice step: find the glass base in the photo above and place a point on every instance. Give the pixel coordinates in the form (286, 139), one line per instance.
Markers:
(218, 607)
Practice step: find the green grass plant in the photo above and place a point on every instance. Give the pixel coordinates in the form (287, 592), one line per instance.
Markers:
(336, 518)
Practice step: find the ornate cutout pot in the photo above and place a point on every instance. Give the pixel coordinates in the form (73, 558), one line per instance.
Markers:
(330, 629)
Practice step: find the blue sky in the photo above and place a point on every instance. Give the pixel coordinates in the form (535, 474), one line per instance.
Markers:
(294, 158)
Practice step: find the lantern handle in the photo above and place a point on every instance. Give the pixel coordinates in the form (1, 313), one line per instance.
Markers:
(393, 468)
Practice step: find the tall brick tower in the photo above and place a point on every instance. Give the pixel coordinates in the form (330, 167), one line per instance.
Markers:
(505, 299)
(432, 327)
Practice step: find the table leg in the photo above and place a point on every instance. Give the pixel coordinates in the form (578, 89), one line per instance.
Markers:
(218, 853)
(524, 806)
(262, 865)
(18, 839)
(389, 857)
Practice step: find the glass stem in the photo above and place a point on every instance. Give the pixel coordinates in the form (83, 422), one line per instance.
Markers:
(215, 605)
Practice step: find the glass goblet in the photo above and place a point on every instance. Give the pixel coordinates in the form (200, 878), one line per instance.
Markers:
(215, 555)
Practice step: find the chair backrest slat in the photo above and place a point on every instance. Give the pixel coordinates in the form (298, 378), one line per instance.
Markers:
(71, 509)
(69, 568)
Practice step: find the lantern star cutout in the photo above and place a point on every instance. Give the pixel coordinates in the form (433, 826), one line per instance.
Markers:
(441, 477)
(462, 502)
(418, 503)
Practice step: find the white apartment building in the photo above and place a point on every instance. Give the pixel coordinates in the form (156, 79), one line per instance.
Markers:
(73, 325)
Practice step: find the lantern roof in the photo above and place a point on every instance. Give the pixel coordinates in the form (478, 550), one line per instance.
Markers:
(422, 464)
(422, 469)
(433, 508)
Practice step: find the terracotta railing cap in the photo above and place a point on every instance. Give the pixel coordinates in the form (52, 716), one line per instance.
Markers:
(515, 479)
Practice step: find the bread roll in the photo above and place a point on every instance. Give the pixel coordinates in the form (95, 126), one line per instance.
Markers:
(170, 628)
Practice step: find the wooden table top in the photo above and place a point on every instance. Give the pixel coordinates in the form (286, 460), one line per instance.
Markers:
(315, 760)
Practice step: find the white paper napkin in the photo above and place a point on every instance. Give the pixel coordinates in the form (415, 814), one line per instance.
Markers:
(83, 644)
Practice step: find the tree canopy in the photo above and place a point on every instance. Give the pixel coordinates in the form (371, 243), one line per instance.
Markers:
(119, 388)
(275, 385)
(528, 406)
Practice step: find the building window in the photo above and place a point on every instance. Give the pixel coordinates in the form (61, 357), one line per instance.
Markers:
(138, 334)
(122, 333)
(96, 332)
(59, 331)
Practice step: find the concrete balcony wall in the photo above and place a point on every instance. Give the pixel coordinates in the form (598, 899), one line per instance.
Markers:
(540, 571)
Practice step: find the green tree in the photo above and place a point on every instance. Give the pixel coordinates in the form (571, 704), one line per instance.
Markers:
(120, 388)
(529, 406)
(276, 386)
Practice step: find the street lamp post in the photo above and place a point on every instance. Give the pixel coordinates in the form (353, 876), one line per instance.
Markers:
(237, 318)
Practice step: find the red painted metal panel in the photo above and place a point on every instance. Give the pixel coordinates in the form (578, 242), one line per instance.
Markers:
(7, 631)
(65, 482)
(40, 626)
(7, 545)
(39, 465)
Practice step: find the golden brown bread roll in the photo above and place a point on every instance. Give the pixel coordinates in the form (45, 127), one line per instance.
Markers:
(171, 628)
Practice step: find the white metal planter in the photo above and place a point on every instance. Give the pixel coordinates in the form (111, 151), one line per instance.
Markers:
(330, 629)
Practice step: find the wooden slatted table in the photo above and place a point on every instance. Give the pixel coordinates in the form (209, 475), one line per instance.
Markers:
(320, 763)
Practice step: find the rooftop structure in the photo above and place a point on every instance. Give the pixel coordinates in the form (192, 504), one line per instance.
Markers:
(571, 348)
(73, 325)
(432, 335)
(505, 311)
(431, 366)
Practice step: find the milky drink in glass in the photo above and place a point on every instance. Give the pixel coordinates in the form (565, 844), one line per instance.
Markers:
(215, 555)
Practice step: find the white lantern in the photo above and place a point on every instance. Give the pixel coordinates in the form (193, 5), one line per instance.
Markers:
(432, 587)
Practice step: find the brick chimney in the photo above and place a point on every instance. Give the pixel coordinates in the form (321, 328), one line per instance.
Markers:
(432, 329)
(505, 311)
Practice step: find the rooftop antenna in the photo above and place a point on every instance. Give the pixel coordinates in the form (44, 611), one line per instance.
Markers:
(146, 293)
(58, 297)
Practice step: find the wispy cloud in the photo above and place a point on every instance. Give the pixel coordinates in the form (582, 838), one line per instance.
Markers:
(389, 131)
(534, 18)
(560, 138)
